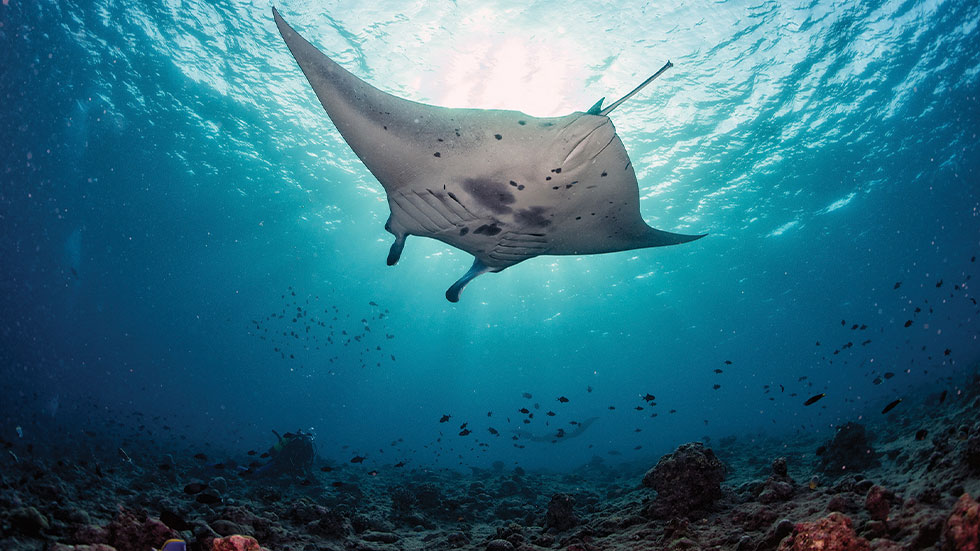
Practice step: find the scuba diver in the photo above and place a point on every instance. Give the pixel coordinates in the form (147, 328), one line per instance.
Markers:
(292, 455)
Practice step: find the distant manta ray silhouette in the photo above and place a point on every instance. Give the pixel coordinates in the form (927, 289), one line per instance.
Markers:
(500, 185)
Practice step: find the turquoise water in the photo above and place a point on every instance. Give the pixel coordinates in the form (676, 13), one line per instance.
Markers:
(169, 181)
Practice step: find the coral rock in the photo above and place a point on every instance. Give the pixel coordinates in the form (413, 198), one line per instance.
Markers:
(685, 480)
(876, 502)
(28, 521)
(236, 543)
(135, 531)
(560, 514)
(849, 451)
(961, 531)
(500, 545)
(831, 533)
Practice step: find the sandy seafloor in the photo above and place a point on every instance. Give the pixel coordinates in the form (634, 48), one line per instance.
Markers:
(909, 484)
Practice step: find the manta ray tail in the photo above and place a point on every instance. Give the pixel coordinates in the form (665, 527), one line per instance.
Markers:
(607, 110)
(452, 294)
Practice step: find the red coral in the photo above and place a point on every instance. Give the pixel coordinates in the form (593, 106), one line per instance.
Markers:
(876, 502)
(136, 531)
(831, 533)
(962, 526)
(236, 543)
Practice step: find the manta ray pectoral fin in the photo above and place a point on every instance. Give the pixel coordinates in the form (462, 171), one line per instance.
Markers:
(452, 294)
(658, 238)
(595, 109)
(607, 110)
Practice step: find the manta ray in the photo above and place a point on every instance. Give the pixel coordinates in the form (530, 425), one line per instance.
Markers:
(501, 185)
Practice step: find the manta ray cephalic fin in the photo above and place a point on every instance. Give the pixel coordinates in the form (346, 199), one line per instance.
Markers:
(452, 294)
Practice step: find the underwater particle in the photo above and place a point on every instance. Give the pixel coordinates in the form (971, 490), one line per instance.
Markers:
(921, 434)
(891, 406)
(444, 419)
(908, 323)
(358, 459)
(563, 400)
(814, 399)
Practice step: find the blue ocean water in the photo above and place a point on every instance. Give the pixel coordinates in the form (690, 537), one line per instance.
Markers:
(173, 197)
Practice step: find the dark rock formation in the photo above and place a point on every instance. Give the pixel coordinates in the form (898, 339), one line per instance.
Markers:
(560, 515)
(849, 451)
(686, 480)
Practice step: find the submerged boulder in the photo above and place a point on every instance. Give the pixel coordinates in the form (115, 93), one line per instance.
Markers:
(962, 526)
(686, 480)
(849, 451)
(560, 515)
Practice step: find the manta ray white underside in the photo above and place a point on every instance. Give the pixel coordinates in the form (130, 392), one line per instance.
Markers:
(500, 185)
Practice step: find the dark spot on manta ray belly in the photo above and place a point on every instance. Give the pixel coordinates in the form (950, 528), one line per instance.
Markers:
(498, 136)
(464, 230)
(488, 229)
(533, 216)
(490, 194)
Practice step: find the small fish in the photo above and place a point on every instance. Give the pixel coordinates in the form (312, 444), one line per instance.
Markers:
(493, 431)
(891, 406)
(200, 457)
(326, 469)
(373, 473)
(527, 395)
(814, 399)
(463, 426)
(877, 381)
(524, 411)
(563, 400)
(728, 362)
(942, 397)
(588, 388)
(264, 455)
(921, 434)
(306, 482)
(638, 408)
(946, 352)
(719, 371)
(550, 414)
(252, 452)
(939, 283)
(813, 483)
(908, 323)
(400, 464)
(465, 432)
(897, 284)
(337, 484)
(889, 375)
(444, 419)
(358, 459)
(716, 386)
(612, 408)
